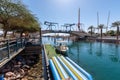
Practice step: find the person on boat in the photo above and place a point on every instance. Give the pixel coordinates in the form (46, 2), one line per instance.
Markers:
(60, 44)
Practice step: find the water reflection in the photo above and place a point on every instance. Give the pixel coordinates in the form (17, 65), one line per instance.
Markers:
(49, 38)
(70, 51)
(78, 52)
(55, 40)
(99, 52)
(115, 57)
(90, 48)
(71, 46)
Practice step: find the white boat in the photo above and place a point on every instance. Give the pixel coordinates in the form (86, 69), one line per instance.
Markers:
(61, 46)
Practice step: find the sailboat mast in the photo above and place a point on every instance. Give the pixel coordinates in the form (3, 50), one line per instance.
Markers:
(79, 19)
(98, 21)
(108, 20)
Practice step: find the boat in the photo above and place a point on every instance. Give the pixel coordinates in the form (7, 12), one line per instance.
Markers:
(61, 47)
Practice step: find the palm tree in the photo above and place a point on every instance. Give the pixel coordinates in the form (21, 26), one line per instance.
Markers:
(116, 24)
(91, 28)
(101, 26)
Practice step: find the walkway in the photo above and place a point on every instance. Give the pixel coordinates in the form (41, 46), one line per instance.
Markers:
(9, 49)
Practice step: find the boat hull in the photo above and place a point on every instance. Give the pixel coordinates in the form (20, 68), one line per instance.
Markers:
(60, 52)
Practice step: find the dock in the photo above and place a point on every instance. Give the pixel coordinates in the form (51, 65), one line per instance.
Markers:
(50, 50)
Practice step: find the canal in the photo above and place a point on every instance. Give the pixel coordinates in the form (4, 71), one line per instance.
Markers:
(101, 60)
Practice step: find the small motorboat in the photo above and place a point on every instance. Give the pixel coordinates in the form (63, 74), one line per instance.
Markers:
(61, 47)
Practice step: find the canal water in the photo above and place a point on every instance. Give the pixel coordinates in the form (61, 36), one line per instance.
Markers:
(101, 60)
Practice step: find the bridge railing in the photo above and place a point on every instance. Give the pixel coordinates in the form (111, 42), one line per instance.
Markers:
(62, 31)
(9, 47)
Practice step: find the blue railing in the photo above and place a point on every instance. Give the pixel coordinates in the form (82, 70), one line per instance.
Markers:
(9, 47)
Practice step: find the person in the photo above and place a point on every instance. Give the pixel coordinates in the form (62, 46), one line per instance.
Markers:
(60, 44)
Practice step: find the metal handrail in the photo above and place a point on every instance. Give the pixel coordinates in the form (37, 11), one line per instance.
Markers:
(8, 47)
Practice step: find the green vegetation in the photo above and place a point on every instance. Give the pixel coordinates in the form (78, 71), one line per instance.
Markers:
(101, 26)
(91, 28)
(14, 16)
(50, 50)
(111, 33)
(116, 24)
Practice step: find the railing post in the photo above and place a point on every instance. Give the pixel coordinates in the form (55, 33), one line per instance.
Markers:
(16, 45)
(8, 48)
(24, 42)
(21, 43)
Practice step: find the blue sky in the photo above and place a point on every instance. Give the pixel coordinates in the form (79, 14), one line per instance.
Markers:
(66, 11)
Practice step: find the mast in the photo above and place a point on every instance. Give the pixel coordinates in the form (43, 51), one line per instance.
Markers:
(108, 21)
(98, 21)
(79, 19)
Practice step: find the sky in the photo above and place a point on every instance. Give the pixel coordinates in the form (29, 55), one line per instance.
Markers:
(66, 11)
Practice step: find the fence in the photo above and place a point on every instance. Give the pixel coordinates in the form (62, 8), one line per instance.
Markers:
(9, 47)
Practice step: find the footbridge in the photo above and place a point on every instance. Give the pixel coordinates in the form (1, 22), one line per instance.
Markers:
(71, 29)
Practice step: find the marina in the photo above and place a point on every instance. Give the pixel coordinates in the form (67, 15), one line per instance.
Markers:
(95, 58)
(59, 40)
(61, 66)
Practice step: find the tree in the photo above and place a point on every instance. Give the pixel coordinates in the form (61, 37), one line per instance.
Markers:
(110, 32)
(92, 29)
(101, 26)
(116, 24)
(8, 9)
(16, 17)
